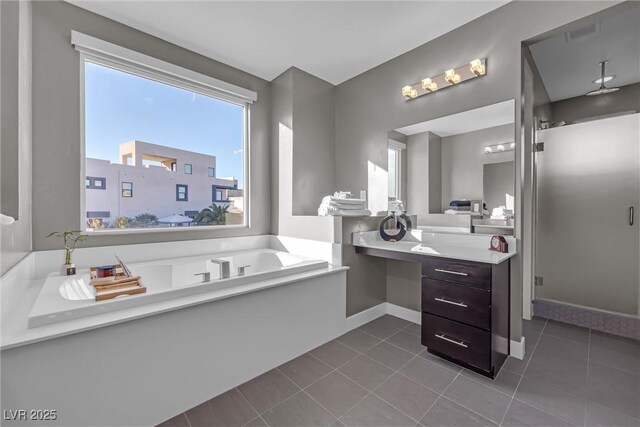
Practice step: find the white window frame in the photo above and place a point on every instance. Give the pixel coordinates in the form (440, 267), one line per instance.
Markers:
(110, 55)
(398, 147)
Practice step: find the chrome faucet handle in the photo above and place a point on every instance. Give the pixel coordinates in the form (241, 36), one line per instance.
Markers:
(206, 277)
(224, 268)
(241, 269)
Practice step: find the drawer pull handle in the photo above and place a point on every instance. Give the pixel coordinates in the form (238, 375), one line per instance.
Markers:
(446, 301)
(457, 273)
(460, 343)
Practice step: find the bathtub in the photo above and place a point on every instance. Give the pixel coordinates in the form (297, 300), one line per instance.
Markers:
(64, 298)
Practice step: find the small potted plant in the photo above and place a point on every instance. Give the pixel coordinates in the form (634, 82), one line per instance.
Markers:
(71, 239)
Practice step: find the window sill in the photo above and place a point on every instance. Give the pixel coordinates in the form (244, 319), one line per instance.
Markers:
(126, 231)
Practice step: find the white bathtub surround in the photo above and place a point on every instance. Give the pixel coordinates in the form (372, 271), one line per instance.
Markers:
(468, 247)
(22, 285)
(516, 348)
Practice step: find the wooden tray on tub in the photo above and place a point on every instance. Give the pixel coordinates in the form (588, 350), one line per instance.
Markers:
(114, 286)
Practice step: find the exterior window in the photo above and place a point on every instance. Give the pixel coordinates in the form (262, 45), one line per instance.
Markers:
(127, 189)
(95, 183)
(220, 194)
(182, 193)
(149, 149)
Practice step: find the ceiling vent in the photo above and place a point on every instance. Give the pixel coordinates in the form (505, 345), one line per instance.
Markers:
(582, 32)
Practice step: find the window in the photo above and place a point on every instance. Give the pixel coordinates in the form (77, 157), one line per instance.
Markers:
(178, 115)
(395, 168)
(182, 193)
(95, 183)
(127, 189)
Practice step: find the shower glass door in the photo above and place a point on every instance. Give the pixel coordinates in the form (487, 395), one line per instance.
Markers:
(588, 187)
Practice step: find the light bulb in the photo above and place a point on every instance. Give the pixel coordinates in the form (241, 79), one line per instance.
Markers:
(477, 68)
(488, 150)
(406, 91)
(500, 147)
(513, 145)
(452, 77)
(428, 84)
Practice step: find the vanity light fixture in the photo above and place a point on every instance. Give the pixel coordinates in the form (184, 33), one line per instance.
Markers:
(409, 92)
(499, 148)
(451, 77)
(477, 67)
(429, 85)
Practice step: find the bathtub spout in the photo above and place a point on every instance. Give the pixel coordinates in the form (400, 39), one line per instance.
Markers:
(225, 272)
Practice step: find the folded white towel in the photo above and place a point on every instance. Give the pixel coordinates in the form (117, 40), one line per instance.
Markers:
(331, 211)
(345, 206)
(329, 199)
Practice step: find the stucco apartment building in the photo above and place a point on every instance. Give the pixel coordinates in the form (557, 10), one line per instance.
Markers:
(159, 180)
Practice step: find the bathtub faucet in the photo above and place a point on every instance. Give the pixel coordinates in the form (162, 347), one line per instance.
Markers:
(224, 268)
(206, 277)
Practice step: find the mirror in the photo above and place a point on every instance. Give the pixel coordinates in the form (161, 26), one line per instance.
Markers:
(438, 167)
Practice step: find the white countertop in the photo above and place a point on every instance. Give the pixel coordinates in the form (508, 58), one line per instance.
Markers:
(468, 247)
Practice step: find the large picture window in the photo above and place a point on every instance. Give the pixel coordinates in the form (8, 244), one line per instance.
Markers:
(138, 127)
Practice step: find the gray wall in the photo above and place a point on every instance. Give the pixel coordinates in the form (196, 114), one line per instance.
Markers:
(16, 129)
(56, 116)
(463, 158)
(370, 104)
(581, 108)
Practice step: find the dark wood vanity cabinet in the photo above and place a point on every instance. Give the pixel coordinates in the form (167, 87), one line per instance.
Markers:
(465, 312)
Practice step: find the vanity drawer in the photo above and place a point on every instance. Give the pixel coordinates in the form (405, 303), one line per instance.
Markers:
(461, 342)
(452, 270)
(463, 303)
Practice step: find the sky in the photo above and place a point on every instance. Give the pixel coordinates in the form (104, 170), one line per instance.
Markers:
(120, 107)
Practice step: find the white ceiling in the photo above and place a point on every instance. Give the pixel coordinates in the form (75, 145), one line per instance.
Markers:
(568, 67)
(485, 117)
(333, 40)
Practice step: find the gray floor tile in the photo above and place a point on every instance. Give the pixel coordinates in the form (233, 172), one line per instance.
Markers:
(304, 370)
(569, 407)
(505, 382)
(428, 374)
(378, 329)
(300, 410)
(445, 413)
(336, 393)
(487, 402)
(406, 395)
(553, 350)
(616, 396)
(177, 421)
(338, 423)
(515, 365)
(268, 390)
(532, 330)
(372, 411)
(407, 341)
(523, 415)
(601, 416)
(228, 409)
(256, 422)
(414, 329)
(358, 340)
(393, 321)
(567, 331)
(440, 361)
(334, 353)
(600, 372)
(389, 355)
(569, 378)
(620, 353)
(366, 372)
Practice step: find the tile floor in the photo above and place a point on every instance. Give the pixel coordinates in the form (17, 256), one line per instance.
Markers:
(380, 375)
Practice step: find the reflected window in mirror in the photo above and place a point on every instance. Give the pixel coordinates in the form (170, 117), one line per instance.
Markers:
(395, 167)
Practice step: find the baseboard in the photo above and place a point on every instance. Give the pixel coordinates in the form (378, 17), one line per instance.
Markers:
(516, 349)
(366, 316)
(407, 314)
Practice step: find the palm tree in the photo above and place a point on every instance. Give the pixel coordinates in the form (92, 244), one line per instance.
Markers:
(214, 214)
(145, 220)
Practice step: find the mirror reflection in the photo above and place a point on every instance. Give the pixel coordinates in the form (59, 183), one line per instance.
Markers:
(457, 173)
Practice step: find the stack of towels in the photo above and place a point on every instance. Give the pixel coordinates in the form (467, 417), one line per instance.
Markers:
(463, 207)
(342, 203)
(501, 212)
